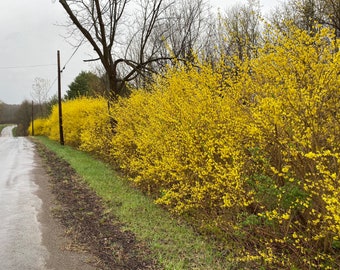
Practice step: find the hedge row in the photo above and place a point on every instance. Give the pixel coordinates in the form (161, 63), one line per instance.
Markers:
(249, 155)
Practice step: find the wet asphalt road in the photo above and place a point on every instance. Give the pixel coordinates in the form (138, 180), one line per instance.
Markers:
(20, 234)
(30, 237)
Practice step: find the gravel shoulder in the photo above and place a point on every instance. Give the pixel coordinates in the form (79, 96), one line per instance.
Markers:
(77, 231)
(62, 255)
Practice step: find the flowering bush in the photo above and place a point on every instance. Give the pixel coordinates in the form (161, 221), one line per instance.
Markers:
(79, 117)
(39, 125)
(181, 142)
(294, 91)
(250, 152)
(98, 128)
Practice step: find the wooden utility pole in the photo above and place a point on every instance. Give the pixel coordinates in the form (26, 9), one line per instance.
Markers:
(32, 118)
(61, 132)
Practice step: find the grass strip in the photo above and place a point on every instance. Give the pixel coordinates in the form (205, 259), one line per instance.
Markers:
(174, 245)
(2, 127)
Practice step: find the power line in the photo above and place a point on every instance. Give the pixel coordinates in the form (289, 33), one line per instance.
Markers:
(69, 59)
(52, 84)
(28, 66)
(74, 52)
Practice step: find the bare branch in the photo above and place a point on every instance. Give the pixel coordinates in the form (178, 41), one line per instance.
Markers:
(131, 49)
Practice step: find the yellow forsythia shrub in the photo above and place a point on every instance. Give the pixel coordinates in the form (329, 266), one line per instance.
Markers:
(249, 151)
(76, 115)
(39, 127)
(182, 140)
(292, 91)
(86, 124)
(98, 129)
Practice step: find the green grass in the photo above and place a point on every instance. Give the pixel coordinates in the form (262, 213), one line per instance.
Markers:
(173, 244)
(2, 127)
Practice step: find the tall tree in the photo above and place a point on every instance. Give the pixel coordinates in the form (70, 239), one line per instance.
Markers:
(39, 93)
(132, 38)
(332, 11)
(106, 25)
(239, 30)
(185, 28)
(181, 31)
(85, 84)
(23, 118)
(306, 13)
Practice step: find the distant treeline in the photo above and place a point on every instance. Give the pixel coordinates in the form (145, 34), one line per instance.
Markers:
(8, 113)
(21, 114)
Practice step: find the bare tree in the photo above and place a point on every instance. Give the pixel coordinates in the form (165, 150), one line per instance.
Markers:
(141, 50)
(106, 25)
(136, 38)
(185, 28)
(239, 30)
(181, 32)
(39, 93)
(328, 14)
(306, 13)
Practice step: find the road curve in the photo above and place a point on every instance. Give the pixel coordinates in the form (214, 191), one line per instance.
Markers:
(30, 239)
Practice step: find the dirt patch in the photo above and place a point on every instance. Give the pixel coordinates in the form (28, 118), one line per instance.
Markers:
(82, 214)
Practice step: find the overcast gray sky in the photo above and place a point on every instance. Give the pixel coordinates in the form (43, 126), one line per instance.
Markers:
(30, 38)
